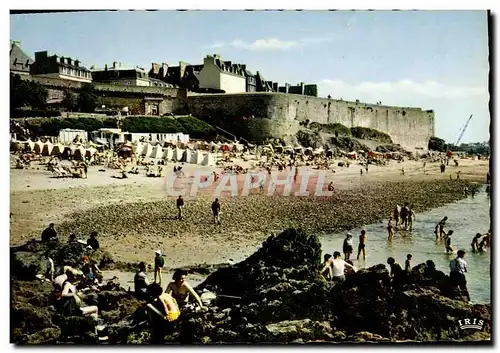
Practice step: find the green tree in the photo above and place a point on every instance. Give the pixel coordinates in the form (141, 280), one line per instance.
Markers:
(87, 99)
(27, 93)
(69, 101)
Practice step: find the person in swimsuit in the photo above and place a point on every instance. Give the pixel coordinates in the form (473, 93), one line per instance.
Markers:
(439, 230)
(390, 228)
(411, 218)
(163, 311)
(408, 263)
(180, 290)
(328, 269)
(362, 244)
(397, 214)
(448, 242)
(475, 242)
(347, 248)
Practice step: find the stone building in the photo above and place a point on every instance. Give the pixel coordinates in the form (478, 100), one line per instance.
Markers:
(122, 75)
(251, 80)
(20, 63)
(301, 88)
(184, 76)
(59, 67)
(222, 75)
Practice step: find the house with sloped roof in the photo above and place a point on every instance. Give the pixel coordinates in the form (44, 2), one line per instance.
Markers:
(64, 68)
(222, 75)
(20, 63)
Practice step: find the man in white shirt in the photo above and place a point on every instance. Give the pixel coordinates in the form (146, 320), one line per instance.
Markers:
(458, 268)
(338, 267)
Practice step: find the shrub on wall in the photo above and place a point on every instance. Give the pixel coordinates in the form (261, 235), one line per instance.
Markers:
(370, 134)
(437, 144)
(197, 128)
(334, 128)
(150, 125)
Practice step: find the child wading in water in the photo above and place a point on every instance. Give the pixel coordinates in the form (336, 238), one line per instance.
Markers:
(390, 228)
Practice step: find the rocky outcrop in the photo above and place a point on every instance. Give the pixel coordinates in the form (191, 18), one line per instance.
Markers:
(274, 296)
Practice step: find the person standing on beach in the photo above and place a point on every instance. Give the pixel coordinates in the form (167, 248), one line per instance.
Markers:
(448, 242)
(411, 218)
(390, 229)
(92, 241)
(216, 211)
(458, 268)
(159, 263)
(180, 206)
(347, 248)
(439, 230)
(397, 214)
(362, 244)
(442, 167)
(141, 282)
(475, 242)
(404, 216)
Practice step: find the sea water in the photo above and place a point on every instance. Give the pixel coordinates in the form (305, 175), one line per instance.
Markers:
(465, 217)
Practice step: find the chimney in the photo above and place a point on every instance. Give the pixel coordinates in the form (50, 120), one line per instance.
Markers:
(164, 68)
(69, 61)
(77, 62)
(106, 67)
(114, 64)
(16, 43)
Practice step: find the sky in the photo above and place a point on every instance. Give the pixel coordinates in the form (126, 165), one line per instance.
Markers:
(430, 59)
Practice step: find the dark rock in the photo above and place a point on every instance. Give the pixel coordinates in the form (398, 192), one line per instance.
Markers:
(46, 336)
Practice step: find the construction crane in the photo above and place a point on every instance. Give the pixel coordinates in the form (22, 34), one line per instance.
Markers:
(463, 130)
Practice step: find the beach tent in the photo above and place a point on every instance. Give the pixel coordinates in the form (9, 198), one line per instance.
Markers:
(38, 147)
(147, 150)
(208, 160)
(15, 145)
(168, 153)
(157, 152)
(30, 145)
(177, 157)
(89, 152)
(186, 156)
(137, 148)
(225, 147)
(79, 152)
(196, 157)
(47, 148)
(57, 150)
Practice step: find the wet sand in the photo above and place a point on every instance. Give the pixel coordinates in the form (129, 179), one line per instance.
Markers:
(135, 216)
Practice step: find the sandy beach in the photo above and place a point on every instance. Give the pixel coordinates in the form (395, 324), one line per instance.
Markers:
(136, 216)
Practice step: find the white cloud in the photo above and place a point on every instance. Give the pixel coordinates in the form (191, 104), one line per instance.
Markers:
(267, 44)
(399, 92)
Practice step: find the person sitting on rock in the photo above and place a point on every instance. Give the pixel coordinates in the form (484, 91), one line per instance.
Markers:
(92, 241)
(141, 282)
(181, 290)
(49, 233)
(70, 302)
(338, 267)
(348, 271)
(328, 272)
(163, 311)
(396, 269)
(91, 271)
(72, 238)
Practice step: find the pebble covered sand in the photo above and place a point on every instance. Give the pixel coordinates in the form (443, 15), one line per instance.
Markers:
(133, 227)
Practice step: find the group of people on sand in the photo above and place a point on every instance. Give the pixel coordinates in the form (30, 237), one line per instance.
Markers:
(164, 306)
(70, 283)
